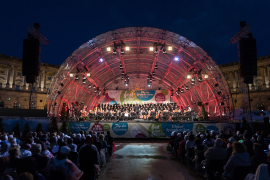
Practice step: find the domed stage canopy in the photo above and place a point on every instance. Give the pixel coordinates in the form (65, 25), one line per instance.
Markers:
(137, 55)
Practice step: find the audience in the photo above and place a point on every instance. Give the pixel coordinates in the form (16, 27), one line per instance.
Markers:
(190, 142)
(260, 157)
(4, 163)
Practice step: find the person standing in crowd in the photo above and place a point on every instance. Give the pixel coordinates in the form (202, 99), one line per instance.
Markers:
(239, 157)
(248, 144)
(71, 145)
(88, 158)
(190, 142)
(61, 163)
(109, 142)
(41, 160)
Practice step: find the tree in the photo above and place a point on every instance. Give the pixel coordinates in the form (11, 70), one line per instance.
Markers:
(204, 113)
(39, 128)
(26, 130)
(1, 126)
(16, 130)
(54, 125)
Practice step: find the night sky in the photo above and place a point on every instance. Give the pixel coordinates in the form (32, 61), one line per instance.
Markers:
(69, 23)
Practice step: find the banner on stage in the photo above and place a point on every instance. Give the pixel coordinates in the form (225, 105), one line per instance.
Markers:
(132, 97)
(148, 130)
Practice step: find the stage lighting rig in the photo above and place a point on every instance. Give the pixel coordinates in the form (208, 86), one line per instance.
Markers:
(89, 86)
(77, 77)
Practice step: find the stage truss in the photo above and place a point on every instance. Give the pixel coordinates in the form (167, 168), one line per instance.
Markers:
(100, 68)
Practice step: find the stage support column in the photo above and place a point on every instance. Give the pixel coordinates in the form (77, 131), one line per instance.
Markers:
(231, 82)
(263, 78)
(8, 77)
(14, 78)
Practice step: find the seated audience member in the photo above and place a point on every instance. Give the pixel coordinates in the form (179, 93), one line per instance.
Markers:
(5, 145)
(260, 156)
(14, 160)
(42, 161)
(239, 157)
(71, 145)
(25, 176)
(190, 142)
(182, 145)
(208, 141)
(45, 151)
(4, 162)
(29, 164)
(26, 151)
(199, 148)
(262, 172)
(14, 143)
(88, 158)
(53, 142)
(61, 164)
(248, 143)
(215, 153)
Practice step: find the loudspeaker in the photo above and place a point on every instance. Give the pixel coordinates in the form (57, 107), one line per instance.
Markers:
(30, 60)
(199, 103)
(248, 58)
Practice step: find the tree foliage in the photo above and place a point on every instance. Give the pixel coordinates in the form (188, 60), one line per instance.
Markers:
(1, 126)
(39, 128)
(54, 125)
(26, 130)
(16, 129)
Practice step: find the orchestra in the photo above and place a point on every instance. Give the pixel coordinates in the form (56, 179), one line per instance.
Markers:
(126, 112)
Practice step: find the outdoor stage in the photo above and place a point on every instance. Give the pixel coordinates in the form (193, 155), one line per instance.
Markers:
(146, 129)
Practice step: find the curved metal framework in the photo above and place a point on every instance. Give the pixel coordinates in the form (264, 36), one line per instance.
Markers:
(139, 62)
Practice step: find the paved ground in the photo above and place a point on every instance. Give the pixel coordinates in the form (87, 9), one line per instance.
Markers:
(145, 161)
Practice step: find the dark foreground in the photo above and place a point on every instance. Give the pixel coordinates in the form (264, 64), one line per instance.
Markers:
(150, 161)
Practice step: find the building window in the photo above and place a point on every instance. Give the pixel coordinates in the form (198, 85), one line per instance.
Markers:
(17, 105)
(19, 74)
(49, 78)
(18, 87)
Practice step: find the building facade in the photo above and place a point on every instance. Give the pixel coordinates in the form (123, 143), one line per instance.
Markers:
(15, 92)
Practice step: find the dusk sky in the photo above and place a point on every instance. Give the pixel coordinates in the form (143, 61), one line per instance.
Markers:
(70, 23)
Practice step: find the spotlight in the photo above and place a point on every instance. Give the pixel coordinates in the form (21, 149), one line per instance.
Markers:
(84, 78)
(148, 77)
(58, 92)
(122, 78)
(62, 84)
(100, 59)
(88, 74)
(83, 82)
(153, 79)
(123, 73)
(193, 79)
(126, 84)
(89, 86)
(114, 51)
(70, 75)
(186, 87)
(121, 67)
(127, 48)
(181, 91)
(94, 87)
(77, 77)
(192, 82)
(188, 76)
(170, 48)
(151, 48)
(164, 51)
(205, 76)
(176, 58)
(104, 94)
(128, 77)
(156, 66)
(200, 79)
(108, 48)
(149, 85)
(122, 51)
(156, 51)
(95, 91)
